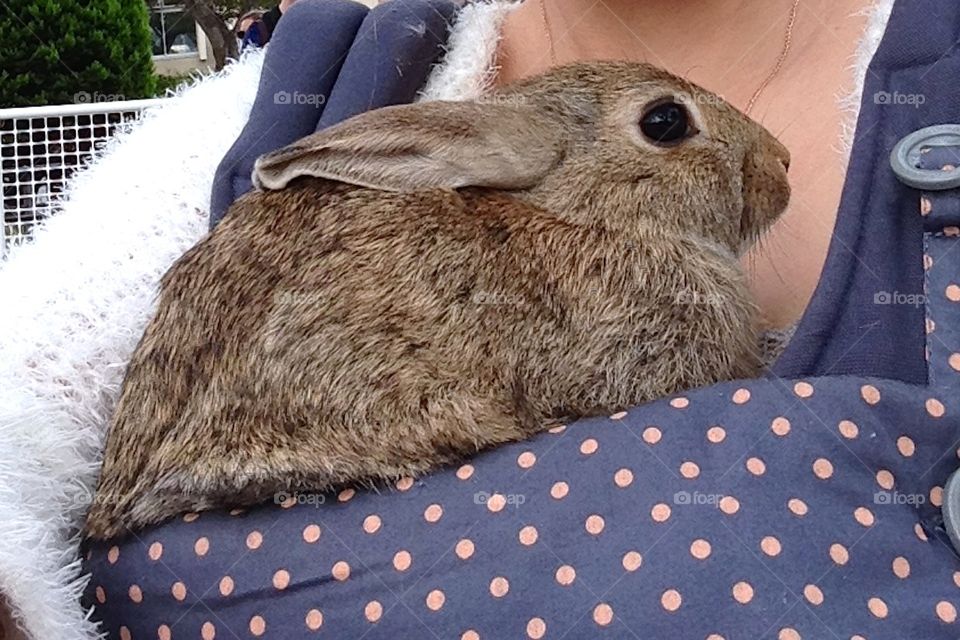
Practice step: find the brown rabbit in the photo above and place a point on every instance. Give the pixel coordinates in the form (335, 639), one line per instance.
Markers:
(425, 281)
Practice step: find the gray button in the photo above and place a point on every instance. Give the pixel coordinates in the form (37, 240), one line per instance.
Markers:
(951, 509)
(906, 158)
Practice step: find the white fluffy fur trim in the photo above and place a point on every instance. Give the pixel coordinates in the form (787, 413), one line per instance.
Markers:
(74, 304)
(468, 69)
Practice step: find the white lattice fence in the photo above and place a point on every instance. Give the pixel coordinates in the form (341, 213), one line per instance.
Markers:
(41, 147)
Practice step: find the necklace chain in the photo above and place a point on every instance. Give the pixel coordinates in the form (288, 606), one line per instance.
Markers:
(777, 67)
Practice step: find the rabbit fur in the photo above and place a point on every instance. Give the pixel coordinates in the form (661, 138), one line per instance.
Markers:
(422, 282)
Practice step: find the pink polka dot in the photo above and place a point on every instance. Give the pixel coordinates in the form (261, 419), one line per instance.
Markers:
(953, 293)
(901, 567)
(589, 446)
(314, 619)
(125, 633)
(435, 600)
(935, 408)
(496, 503)
(770, 546)
(465, 472)
(700, 549)
(680, 403)
(689, 470)
(526, 459)
(226, 586)
(936, 496)
(803, 389)
(559, 490)
(470, 634)
(788, 633)
(797, 506)
(464, 548)
(372, 523)
(716, 435)
(340, 571)
(257, 625)
(906, 446)
(402, 560)
(536, 628)
(346, 495)
(404, 484)
(885, 479)
(433, 513)
(671, 600)
(780, 426)
(619, 415)
(558, 429)
(632, 560)
(208, 631)
(813, 594)
(652, 435)
(135, 593)
(954, 361)
(926, 206)
(101, 595)
(254, 540)
(190, 517)
(164, 633)
(870, 394)
(743, 592)
(566, 575)
(863, 516)
(729, 505)
(281, 579)
(603, 614)
(373, 611)
(919, 532)
(660, 512)
(848, 429)
(877, 607)
(201, 546)
(528, 535)
(623, 478)
(756, 466)
(499, 587)
(311, 533)
(822, 468)
(839, 554)
(179, 591)
(946, 612)
(594, 524)
(929, 326)
(155, 551)
(113, 554)
(741, 396)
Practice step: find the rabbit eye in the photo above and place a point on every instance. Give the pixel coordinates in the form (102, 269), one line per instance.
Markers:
(666, 123)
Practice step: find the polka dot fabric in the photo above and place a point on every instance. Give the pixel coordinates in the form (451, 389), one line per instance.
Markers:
(760, 509)
(772, 509)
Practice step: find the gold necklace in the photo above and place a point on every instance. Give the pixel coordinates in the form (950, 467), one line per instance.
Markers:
(777, 67)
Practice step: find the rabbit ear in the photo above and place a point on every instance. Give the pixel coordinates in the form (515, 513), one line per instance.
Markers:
(431, 144)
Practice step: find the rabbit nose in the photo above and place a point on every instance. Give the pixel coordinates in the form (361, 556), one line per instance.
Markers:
(786, 163)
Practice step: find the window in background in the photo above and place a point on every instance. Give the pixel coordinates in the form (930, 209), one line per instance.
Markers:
(174, 30)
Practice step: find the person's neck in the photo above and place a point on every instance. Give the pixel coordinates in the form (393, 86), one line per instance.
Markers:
(706, 41)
